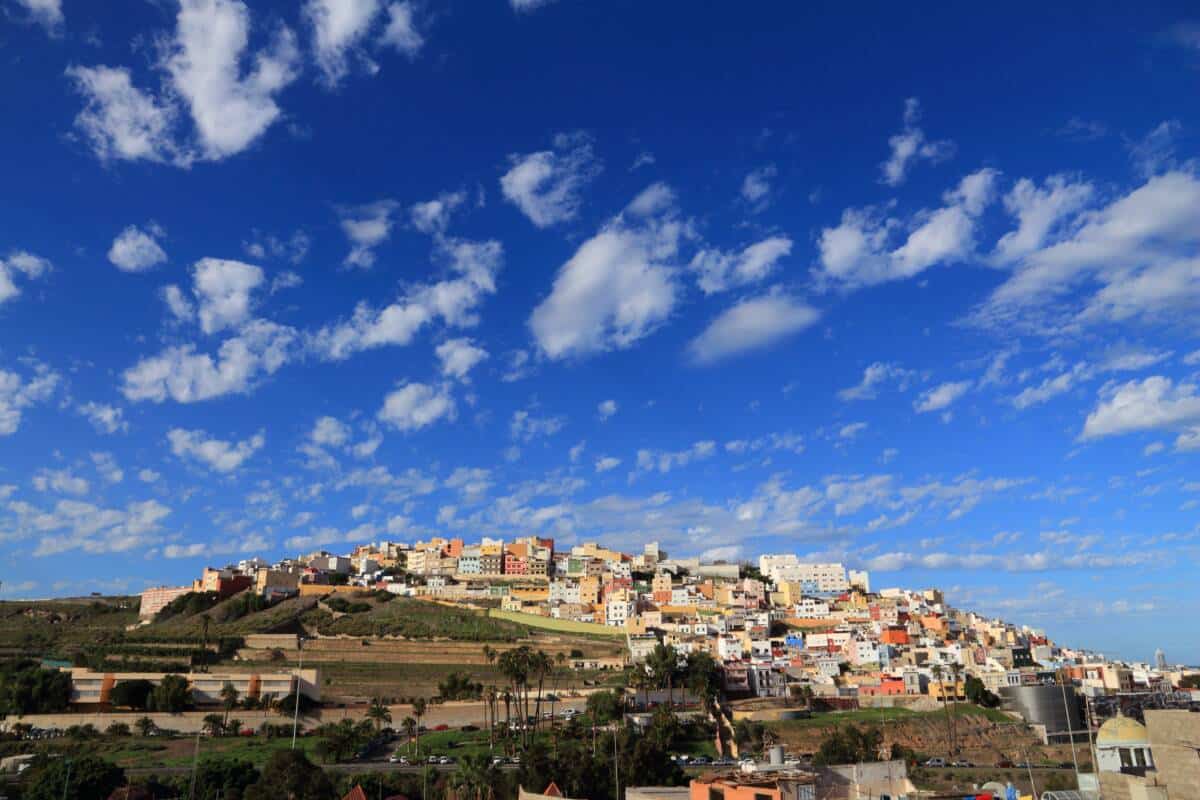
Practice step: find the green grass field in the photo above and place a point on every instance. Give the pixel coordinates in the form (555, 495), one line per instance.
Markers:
(881, 715)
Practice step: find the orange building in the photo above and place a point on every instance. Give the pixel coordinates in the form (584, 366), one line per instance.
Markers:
(790, 785)
(894, 634)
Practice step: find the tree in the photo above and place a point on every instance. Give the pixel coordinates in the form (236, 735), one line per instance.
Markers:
(379, 713)
(117, 729)
(171, 694)
(489, 709)
(604, 706)
(83, 778)
(26, 688)
(663, 662)
(849, 745)
(476, 777)
(703, 676)
(979, 694)
(224, 778)
(340, 740)
(145, 726)
(410, 729)
(132, 694)
(229, 700)
(418, 707)
(213, 724)
(289, 775)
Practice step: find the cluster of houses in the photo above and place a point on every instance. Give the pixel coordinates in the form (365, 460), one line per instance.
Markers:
(777, 628)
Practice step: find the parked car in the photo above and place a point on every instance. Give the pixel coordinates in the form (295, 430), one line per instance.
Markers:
(445, 760)
(700, 760)
(497, 761)
(961, 763)
(469, 728)
(442, 727)
(396, 758)
(936, 762)
(431, 760)
(1004, 763)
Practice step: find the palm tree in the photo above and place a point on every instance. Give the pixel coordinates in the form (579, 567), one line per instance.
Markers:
(954, 671)
(476, 776)
(410, 730)
(540, 664)
(418, 708)
(229, 699)
(508, 701)
(938, 672)
(379, 713)
(489, 708)
(205, 621)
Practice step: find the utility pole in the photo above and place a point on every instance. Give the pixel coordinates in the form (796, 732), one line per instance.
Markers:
(296, 713)
(1062, 679)
(67, 782)
(617, 764)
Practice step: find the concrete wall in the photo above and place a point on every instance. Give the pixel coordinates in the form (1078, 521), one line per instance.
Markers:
(1174, 739)
(560, 625)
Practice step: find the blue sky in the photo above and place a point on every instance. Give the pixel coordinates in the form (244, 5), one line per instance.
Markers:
(917, 293)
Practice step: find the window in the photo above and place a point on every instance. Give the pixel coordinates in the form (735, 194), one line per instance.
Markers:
(716, 794)
(1140, 755)
(758, 796)
(1126, 757)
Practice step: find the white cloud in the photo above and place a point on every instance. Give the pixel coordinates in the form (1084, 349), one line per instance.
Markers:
(458, 357)
(1039, 213)
(1139, 250)
(401, 31)
(104, 418)
(852, 430)
(619, 286)
(230, 109)
(718, 270)
(47, 13)
(941, 396)
(77, 525)
(329, 431)
(106, 465)
(19, 263)
(665, 460)
(606, 409)
(1155, 403)
(177, 303)
(217, 455)
(607, 463)
(524, 427)
(119, 120)
(203, 67)
(874, 376)
(416, 405)
(60, 481)
(135, 250)
(293, 248)
(855, 253)
(367, 227)
(453, 300)
(185, 376)
(223, 292)
(528, 5)
(148, 476)
(1155, 152)
(751, 325)
(910, 145)
(18, 394)
(433, 216)
(1120, 360)
(546, 185)
(339, 26)
(756, 187)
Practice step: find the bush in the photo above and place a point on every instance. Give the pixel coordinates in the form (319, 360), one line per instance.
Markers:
(459, 686)
(133, 694)
(187, 605)
(117, 729)
(26, 688)
(171, 694)
(83, 778)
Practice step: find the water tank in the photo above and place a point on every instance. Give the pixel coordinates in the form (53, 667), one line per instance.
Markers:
(775, 755)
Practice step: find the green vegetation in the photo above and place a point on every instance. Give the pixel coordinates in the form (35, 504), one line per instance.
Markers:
(979, 694)
(171, 694)
(557, 625)
(133, 694)
(26, 688)
(290, 774)
(849, 744)
(187, 605)
(343, 606)
(880, 715)
(83, 778)
(459, 686)
(417, 619)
